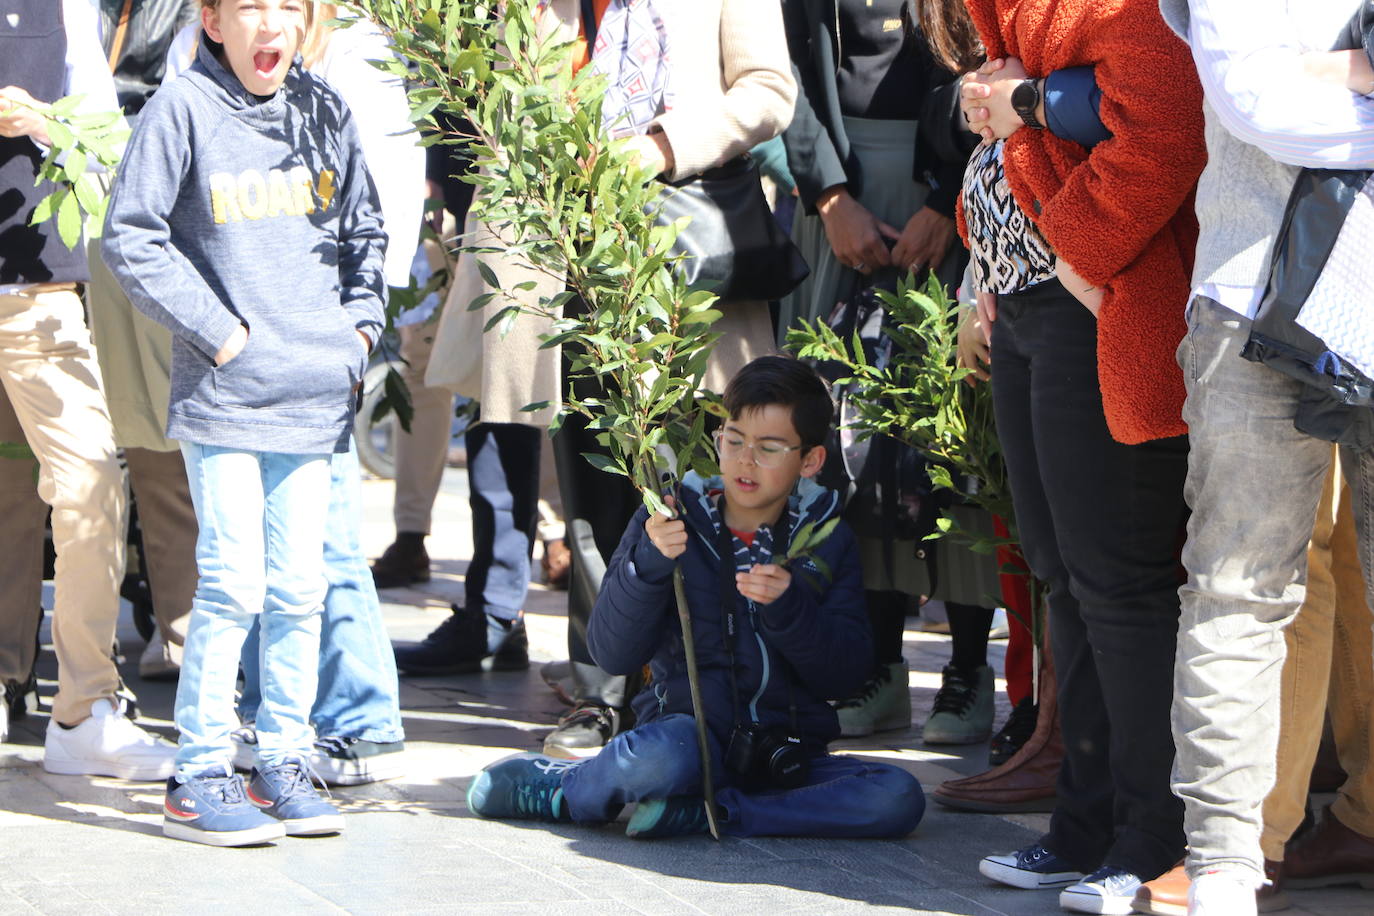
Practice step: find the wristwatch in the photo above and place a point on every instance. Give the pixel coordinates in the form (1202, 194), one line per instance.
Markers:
(1025, 98)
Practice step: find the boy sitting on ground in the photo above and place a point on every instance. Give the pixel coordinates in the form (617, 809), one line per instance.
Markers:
(772, 644)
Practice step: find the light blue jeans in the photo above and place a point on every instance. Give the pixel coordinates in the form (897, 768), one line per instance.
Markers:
(1253, 484)
(260, 551)
(358, 694)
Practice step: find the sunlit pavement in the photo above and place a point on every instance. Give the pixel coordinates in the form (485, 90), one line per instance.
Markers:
(86, 846)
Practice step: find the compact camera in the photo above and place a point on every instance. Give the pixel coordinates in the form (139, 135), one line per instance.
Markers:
(766, 755)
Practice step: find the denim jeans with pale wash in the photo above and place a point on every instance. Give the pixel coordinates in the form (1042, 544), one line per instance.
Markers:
(260, 553)
(1254, 482)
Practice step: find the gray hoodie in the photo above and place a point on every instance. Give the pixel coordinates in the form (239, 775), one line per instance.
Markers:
(231, 210)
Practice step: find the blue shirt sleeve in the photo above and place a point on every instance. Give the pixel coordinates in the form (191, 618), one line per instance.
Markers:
(1072, 103)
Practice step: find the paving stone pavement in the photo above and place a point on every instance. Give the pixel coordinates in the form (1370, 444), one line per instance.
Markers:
(74, 845)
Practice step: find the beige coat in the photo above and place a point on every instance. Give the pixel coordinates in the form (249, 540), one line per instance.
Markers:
(732, 89)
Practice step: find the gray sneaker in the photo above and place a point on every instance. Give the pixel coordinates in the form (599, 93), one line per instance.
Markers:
(882, 704)
(287, 792)
(963, 708)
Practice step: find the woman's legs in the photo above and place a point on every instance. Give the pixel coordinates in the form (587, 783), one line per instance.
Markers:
(1100, 523)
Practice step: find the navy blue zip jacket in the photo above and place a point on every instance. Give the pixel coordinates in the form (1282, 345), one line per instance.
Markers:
(810, 644)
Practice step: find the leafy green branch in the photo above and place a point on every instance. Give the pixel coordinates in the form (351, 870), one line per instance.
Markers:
(80, 145)
(568, 205)
(921, 397)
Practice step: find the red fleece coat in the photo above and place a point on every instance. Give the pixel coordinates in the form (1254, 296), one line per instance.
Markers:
(1121, 214)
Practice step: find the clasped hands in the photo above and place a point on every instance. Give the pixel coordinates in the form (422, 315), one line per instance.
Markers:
(985, 99)
(762, 584)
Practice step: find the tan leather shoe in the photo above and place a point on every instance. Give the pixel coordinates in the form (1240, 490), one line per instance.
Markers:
(1027, 782)
(1167, 895)
(1329, 855)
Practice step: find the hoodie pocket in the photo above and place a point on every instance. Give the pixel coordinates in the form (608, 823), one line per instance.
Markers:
(293, 360)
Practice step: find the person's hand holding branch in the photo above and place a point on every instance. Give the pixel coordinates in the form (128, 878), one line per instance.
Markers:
(668, 535)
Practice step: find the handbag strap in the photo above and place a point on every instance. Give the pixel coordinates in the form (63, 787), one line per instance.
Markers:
(121, 30)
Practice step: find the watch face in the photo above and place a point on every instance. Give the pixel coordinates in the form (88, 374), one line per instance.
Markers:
(1024, 97)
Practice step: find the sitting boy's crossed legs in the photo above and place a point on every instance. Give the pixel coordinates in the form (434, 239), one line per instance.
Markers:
(657, 766)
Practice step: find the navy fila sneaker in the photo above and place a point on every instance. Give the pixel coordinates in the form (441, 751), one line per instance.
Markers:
(213, 809)
(287, 792)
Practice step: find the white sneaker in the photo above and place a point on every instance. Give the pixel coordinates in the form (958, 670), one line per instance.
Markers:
(156, 662)
(1222, 893)
(107, 744)
(245, 740)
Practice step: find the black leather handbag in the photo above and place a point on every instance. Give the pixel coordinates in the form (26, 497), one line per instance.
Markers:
(733, 245)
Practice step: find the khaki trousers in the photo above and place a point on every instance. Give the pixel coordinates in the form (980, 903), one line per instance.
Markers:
(168, 520)
(53, 383)
(421, 453)
(21, 553)
(1329, 667)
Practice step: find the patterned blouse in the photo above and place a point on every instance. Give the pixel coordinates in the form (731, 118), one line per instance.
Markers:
(1008, 253)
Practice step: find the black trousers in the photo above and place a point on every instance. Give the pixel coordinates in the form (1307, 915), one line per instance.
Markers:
(503, 494)
(1101, 524)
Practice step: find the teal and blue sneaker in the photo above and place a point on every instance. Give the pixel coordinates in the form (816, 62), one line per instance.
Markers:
(287, 792)
(213, 809)
(680, 815)
(528, 787)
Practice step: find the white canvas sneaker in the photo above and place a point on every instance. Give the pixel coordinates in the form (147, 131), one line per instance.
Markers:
(107, 744)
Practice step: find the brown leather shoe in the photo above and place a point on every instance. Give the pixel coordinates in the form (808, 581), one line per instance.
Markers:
(1026, 782)
(1167, 895)
(556, 562)
(1329, 855)
(405, 562)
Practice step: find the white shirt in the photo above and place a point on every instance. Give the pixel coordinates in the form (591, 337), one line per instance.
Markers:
(1248, 55)
(88, 74)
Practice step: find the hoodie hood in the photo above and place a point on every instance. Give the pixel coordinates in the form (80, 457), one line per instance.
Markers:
(220, 83)
(809, 502)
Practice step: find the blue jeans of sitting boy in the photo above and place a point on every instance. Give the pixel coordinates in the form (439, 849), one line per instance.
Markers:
(358, 694)
(843, 797)
(260, 552)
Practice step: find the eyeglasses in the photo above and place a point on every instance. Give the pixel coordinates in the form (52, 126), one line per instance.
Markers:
(764, 454)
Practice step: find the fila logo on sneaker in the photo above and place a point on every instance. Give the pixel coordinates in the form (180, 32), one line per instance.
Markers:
(176, 813)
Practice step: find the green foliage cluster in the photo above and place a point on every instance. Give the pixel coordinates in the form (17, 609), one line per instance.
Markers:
(76, 142)
(575, 209)
(921, 397)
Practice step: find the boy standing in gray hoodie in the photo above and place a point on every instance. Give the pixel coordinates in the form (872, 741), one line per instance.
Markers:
(245, 221)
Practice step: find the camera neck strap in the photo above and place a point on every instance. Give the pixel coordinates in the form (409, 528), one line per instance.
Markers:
(729, 603)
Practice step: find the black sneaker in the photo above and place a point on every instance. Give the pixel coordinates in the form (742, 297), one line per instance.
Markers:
(583, 732)
(1016, 731)
(459, 644)
(405, 562)
(21, 698)
(356, 761)
(1034, 867)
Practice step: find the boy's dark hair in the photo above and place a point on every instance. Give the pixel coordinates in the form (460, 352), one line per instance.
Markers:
(793, 384)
